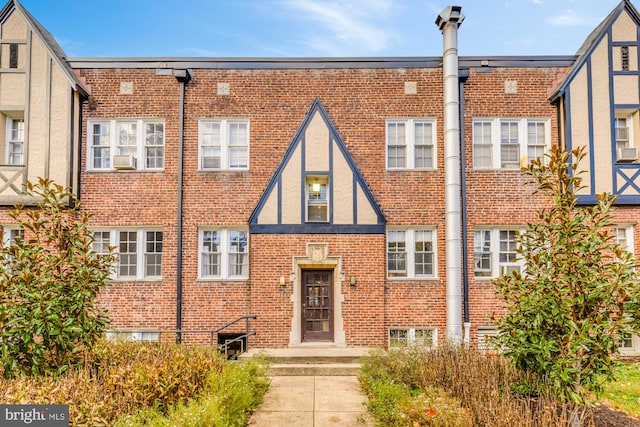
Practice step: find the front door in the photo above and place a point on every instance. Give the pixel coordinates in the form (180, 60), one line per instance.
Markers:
(317, 305)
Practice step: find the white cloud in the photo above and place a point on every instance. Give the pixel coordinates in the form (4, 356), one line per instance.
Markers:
(346, 26)
(569, 18)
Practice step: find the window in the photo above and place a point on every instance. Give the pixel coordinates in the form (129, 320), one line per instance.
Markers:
(15, 142)
(138, 143)
(484, 332)
(224, 254)
(138, 252)
(405, 336)
(13, 55)
(317, 198)
(10, 234)
(503, 143)
(622, 132)
(410, 144)
(138, 336)
(411, 253)
(224, 144)
(495, 252)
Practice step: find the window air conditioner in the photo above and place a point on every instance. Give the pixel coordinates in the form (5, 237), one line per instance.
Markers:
(627, 154)
(124, 162)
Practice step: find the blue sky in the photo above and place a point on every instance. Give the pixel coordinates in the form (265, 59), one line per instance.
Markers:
(314, 28)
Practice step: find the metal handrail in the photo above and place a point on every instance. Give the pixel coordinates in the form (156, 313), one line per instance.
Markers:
(212, 332)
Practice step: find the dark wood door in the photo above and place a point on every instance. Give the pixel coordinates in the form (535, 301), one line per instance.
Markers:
(317, 305)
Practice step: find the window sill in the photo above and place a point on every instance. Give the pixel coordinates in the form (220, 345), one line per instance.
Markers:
(222, 170)
(414, 279)
(124, 170)
(411, 169)
(222, 279)
(135, 279)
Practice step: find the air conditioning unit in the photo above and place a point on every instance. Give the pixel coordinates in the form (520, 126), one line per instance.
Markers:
(627, 154)
(124, 162)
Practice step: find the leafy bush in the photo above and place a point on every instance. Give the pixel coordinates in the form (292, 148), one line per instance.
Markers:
(49, 280)
(567, 316)
(123, 378)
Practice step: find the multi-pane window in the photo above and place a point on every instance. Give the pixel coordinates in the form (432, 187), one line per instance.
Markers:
(624, 58)
(224, 144)
(495, 252)
(224, 254)
(411, 253)
(15, 142)
(10, 234)
(406, 336)
(622, 132)
(138, 252)
(139, 142)
(317, 199)
(502, 143)
(410, 144)
(623, 236)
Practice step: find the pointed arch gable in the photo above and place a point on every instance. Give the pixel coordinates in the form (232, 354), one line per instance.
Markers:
(317, 153)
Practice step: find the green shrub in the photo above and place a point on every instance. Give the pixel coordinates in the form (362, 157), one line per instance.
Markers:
(49, 280)
(229, 397)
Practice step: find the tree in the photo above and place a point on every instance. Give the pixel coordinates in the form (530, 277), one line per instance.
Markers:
(577, 299)
(49, 281)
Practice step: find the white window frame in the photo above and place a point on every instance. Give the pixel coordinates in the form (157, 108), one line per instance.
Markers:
(496, 145)
(224, 272)
(497, 267)
(410, 142)
(483, 333)
(318, 201)
(225, 144)
(623, 236)
(410, 253)
(140, 254)
(12, 142)
(113, 146)
(10, 233)
(413, 336)
(132, 336)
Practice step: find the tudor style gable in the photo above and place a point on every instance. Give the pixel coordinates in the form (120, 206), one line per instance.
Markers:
(317, 187)
(40, 107)
(599, 102)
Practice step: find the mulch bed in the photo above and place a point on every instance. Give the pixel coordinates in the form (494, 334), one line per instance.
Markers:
(604, 416)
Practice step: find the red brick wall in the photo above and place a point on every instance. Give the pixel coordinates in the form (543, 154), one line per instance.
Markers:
(275, 101)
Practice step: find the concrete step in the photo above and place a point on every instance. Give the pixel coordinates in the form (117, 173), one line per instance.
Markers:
(307, 360)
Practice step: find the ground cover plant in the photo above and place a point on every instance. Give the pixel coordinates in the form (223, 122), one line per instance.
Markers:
(122, 382)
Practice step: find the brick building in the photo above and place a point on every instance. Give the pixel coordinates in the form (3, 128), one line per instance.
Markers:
(328, 197)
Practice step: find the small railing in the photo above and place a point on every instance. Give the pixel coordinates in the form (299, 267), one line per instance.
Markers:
(150, 335)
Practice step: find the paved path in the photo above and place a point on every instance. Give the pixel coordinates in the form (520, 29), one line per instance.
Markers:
(312, 401)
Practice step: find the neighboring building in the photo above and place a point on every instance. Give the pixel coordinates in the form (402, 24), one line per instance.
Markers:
(314, 193)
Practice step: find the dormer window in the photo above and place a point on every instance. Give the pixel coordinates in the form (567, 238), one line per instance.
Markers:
(317, 198)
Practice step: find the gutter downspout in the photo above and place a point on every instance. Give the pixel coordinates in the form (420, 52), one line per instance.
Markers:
(448, 22)
(464, 75)
(184, 77)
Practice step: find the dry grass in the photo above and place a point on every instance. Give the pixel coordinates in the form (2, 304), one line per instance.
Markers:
(120, 379)
(486, 387)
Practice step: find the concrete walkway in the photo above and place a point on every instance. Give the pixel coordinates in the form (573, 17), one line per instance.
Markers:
(312, 401)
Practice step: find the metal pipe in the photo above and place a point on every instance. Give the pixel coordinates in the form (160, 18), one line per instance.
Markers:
(448, 22)
(183, 76)
(462, 78)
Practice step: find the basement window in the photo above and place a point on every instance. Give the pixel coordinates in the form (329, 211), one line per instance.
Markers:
(407, 336)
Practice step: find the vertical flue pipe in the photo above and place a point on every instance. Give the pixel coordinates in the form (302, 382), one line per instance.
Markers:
(448, 22)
